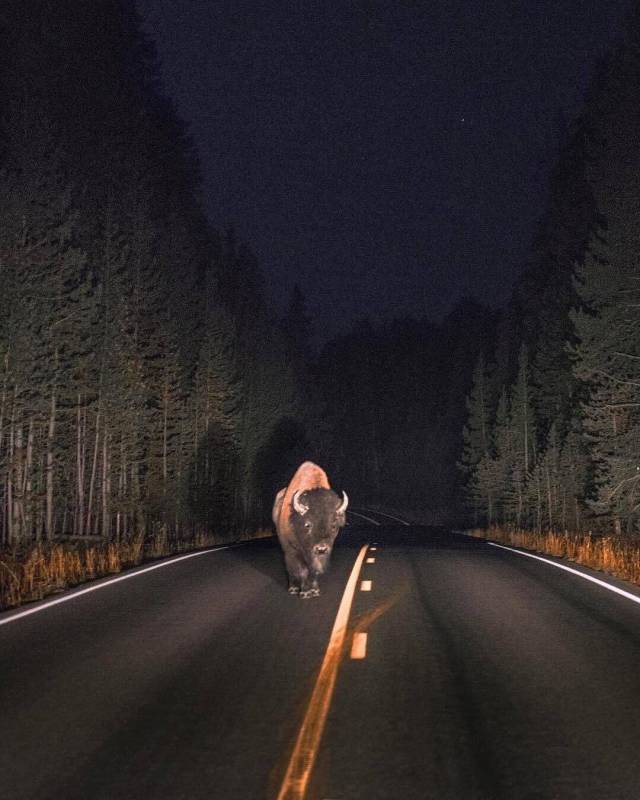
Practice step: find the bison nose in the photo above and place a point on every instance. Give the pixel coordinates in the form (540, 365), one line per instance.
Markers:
(321, 549)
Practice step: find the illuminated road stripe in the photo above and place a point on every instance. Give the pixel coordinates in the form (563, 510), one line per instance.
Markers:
(365, 586)
(371, 560)
(373, 549)
(355, 513)
(634, 597)
(305, 750)
(73, 594)
(359, 646)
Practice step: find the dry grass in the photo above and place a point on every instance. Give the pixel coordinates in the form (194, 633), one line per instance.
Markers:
(36, 571)
(619, 556)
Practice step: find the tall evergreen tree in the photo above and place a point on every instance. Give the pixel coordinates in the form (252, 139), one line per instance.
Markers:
(477, 440)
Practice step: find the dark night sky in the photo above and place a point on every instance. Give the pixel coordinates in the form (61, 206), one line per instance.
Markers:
(387, 156)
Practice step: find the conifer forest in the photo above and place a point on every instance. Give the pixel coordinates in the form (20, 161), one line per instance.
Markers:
(552, 434)
(149, 384)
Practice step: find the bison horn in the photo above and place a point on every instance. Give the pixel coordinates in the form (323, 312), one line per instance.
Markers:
(343, 505)
(299, 507)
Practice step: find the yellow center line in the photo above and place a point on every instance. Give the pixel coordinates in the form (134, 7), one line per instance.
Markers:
(305, 750)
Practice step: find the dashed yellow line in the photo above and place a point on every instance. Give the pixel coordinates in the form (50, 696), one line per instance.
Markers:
(359, 645)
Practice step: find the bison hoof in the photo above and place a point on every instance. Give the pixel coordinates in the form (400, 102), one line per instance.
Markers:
(307, 594)
(294, 590)
(315, 592)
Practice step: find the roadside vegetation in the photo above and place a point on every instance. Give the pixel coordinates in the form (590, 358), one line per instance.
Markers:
(618, 556)
(33, 572)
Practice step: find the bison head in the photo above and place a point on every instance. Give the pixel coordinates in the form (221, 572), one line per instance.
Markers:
(320, 513)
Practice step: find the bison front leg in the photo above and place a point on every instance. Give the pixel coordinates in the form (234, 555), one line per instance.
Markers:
(310, 587)
(296, 572)
(302, 580)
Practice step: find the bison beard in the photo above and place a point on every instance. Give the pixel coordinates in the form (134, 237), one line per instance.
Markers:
(308, 515)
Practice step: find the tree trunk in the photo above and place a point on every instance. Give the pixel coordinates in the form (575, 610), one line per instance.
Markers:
(94, 468)
(80, 508)
(549, 498)
(49, 469)
(27, 485)
(18, 472)
(106, 486)
(10, 452)
(165, 410)
(3, 399)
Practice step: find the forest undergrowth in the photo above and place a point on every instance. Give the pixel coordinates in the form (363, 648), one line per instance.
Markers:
(618, 556)
(42, 568)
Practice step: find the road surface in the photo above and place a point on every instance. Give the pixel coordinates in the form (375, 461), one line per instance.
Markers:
(479, 674)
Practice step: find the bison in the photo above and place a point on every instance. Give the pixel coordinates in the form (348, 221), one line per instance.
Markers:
(307, 515)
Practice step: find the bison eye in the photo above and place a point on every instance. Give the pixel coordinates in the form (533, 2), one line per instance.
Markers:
(307, 525)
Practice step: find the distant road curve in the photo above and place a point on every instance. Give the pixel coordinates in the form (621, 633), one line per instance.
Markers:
(366, 517)
(372, 513)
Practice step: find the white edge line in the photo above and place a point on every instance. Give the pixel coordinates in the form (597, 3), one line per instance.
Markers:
(73, 593)
(355, 513)
(384, 514)
(586, 577)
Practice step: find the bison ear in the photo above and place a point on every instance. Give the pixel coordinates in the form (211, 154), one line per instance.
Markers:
(298, 505)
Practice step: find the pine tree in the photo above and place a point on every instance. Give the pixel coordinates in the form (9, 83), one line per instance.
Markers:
(607, 362)
(47, 307)
(497, 472)
(523, 437)
(214, 410)
(477, 440)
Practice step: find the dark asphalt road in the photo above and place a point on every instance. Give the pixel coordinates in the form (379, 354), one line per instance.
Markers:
(488, 676)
